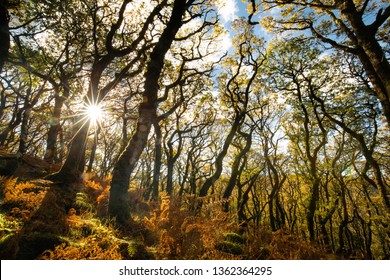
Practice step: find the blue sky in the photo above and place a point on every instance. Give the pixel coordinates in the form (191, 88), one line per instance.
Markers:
(233, 9)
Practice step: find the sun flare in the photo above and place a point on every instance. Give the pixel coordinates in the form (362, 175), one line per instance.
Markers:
(94, 113)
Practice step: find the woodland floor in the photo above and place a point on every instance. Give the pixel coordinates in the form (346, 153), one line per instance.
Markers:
(40, 219)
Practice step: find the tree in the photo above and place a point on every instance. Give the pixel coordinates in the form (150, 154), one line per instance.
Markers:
(118, 206)
(310, 136)
(356, 27)
(4, 32)
(104, 54)
(328, 102)
(236, 85)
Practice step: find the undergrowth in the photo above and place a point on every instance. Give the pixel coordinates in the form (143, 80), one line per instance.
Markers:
(38, 220)
(181, 234)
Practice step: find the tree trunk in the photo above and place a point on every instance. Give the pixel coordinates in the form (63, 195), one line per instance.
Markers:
(55, 127)
(276, 211)
(219, 161)
(157, 162)
(4, 33)
(371, 53)
(93, 150)
(170, 165)
(344, 217)
(242, 218)
(118, 206)
(367, 153)
(312, 155)
(280, 213)
(235, 171)
(24, 131)
(171, 159)
(310, 216)
(15, 121)
(73, 166)
(379, 80)
(61, 153)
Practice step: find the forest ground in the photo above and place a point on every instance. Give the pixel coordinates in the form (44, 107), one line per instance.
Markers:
(40, 219)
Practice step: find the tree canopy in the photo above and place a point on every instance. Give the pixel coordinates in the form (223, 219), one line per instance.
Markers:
(288, 134)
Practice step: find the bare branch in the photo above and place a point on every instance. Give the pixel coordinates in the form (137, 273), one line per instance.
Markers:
(381, 18)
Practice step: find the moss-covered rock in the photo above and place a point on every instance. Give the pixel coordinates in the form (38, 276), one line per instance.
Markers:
(235, 238)
(229, 247)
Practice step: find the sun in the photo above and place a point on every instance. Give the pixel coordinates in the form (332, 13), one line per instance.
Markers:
(94, 113)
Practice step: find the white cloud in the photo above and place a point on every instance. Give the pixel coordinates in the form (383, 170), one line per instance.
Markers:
(227, 9)
(275, 12)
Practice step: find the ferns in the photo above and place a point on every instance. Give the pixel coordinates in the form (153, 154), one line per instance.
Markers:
(183, 235)
(22, 199)
(35, 224)
(86, 250)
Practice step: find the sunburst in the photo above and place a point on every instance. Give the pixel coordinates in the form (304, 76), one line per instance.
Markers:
(94, 112)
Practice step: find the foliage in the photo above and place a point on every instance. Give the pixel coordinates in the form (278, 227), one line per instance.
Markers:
(21, 198)
(273, 148)
(183, 235)
(285, 246)
(88, 238)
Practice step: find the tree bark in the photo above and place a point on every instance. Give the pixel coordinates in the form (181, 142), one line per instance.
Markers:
(93, 150)
(24, 131)
(54, 128)
(157, 161)
(73, 166)
(371, 53)
(4, 33)
(378, 75)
